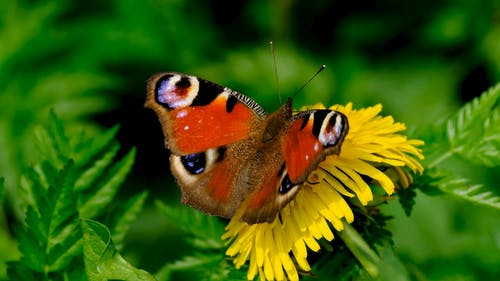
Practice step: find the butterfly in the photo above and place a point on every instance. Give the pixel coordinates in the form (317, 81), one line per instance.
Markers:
(228, 153)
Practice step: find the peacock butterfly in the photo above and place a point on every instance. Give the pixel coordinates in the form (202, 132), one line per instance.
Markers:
(227, 152)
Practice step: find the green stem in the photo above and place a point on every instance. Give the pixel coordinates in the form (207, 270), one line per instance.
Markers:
(360, 249)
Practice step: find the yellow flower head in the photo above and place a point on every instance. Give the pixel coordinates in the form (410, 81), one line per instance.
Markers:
(372, 151)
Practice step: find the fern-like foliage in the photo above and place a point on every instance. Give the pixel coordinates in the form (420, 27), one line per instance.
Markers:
(77, 178)
(203, 233)
(473, 134)
(51, 237)
(439, 181)
(202, 266)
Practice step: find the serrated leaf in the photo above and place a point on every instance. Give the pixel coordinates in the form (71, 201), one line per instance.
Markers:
(472, 133)
(426, 182)
(102, 261)
(189, 262)
(407, 199)
(456, 186)
(57, 134)
(88, 178)
(35, 182)
(63, 253)
(61, 201)
(475, 131)
(205, 229)
(37, 230)
(52, 143)
(475, 193)
(93, 148)
(45, 244)
(329, 263)
(31, 248)
(108, 186)
(51, 238)
(119, 222)
(208, 266)
(204, 233)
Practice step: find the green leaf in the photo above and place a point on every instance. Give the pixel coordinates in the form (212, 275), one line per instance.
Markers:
(329, 263)
(464, 189)
(102, 261)
(50, 239)
(120, 220)
(31, 243)
(50, 242)
(108, 185)
(90, 151)
(372, 226)
(427, 182)
(185, 264)
(209, 266)
(205, 230)
(437, 182)
(92, 173)
(472, 133)
(407, 199)
(62, 254)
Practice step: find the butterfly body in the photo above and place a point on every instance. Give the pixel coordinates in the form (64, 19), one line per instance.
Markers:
(227, 153)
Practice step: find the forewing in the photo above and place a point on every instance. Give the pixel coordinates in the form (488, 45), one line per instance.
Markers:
(197, 115)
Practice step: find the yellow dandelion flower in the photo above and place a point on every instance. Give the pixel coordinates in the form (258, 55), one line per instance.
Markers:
(373, 149)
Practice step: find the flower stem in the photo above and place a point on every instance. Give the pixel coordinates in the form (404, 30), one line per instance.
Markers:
(360, 249)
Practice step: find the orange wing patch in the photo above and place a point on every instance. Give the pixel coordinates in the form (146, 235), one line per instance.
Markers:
(204, 127)
(300, 148)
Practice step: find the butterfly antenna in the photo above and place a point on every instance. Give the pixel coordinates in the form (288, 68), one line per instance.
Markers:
(308, 81)
(271, 45)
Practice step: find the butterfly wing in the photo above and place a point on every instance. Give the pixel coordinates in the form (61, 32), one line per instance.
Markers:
(310, 136)
(206, 128)
(196, 114)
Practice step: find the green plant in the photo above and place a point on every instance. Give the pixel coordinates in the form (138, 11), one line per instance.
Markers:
(78, 179)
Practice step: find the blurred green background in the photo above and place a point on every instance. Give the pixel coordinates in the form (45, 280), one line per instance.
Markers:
(89, 61)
